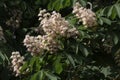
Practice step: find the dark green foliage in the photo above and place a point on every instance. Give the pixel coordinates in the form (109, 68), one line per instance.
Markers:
(95, 55)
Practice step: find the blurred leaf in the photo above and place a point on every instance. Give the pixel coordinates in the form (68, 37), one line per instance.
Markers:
(34, 77)
(117, 7)
(32, 63)
(114, 13)
(72, 20)
(106, 71)
(24, 67)
(100, 21)
(106, 20)
(70, 59)
(77, 48)
(38, 76)
(83, 2)
(50, 76)
(110, 11)
(58, 65)
(58, 4)
(84, 50)
(115, 39)
(41, 76)
(2, 56)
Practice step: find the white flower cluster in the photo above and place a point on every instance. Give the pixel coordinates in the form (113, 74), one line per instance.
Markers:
(54, 26)
(37, 45)
(17, 62)
(87, 16)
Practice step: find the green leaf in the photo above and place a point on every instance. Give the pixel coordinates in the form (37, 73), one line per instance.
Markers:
(100, 21)
(84, 50)
(58, 65)
(110, 11)
(117, 7)
(114, 13)
(77, 49)
(83, 2)
(106, 20)
(58, 68)
(71, 59)
(32, 63)
(38, 76)
(41, 76)
(115, 39)
(24, 67)
(50, 76)
(6, 58)
(2, 56)
(106, 71)
(105, 11)
(34, 77)
(58, 4)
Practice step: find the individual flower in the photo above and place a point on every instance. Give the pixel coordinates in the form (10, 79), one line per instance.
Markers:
(17, 62)
(87, 16)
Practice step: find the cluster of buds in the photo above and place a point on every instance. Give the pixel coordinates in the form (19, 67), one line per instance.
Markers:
(56, 25)
(17, 62)
(15, 19)
(37, 45)
(87, 16)
(43, 14)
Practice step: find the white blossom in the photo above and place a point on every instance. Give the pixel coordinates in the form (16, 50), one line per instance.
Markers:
(87, 16)
(17, 61)
(54, 26)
